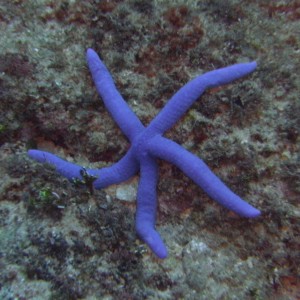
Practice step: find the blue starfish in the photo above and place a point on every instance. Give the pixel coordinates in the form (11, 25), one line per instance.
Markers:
(148, 143)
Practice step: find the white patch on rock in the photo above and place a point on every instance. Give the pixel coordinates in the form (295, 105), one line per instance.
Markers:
(126, 193)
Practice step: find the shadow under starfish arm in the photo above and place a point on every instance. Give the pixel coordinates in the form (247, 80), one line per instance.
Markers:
(196, 169)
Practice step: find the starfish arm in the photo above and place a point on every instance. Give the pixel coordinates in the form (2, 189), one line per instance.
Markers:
(190, 92)
(118, 172)
(121, 171)
(146, 207)
(200, 173)
(114, 102)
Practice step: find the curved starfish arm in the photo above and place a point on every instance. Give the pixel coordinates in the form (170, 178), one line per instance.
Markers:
(114, 102)
(190, 92)
(200, 173)
(118, 172)
(146, 207)
(121, 171)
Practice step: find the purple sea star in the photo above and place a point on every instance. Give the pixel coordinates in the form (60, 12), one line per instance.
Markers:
(147, 144)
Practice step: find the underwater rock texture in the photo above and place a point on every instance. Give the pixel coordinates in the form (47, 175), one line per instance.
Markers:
(59, 241)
